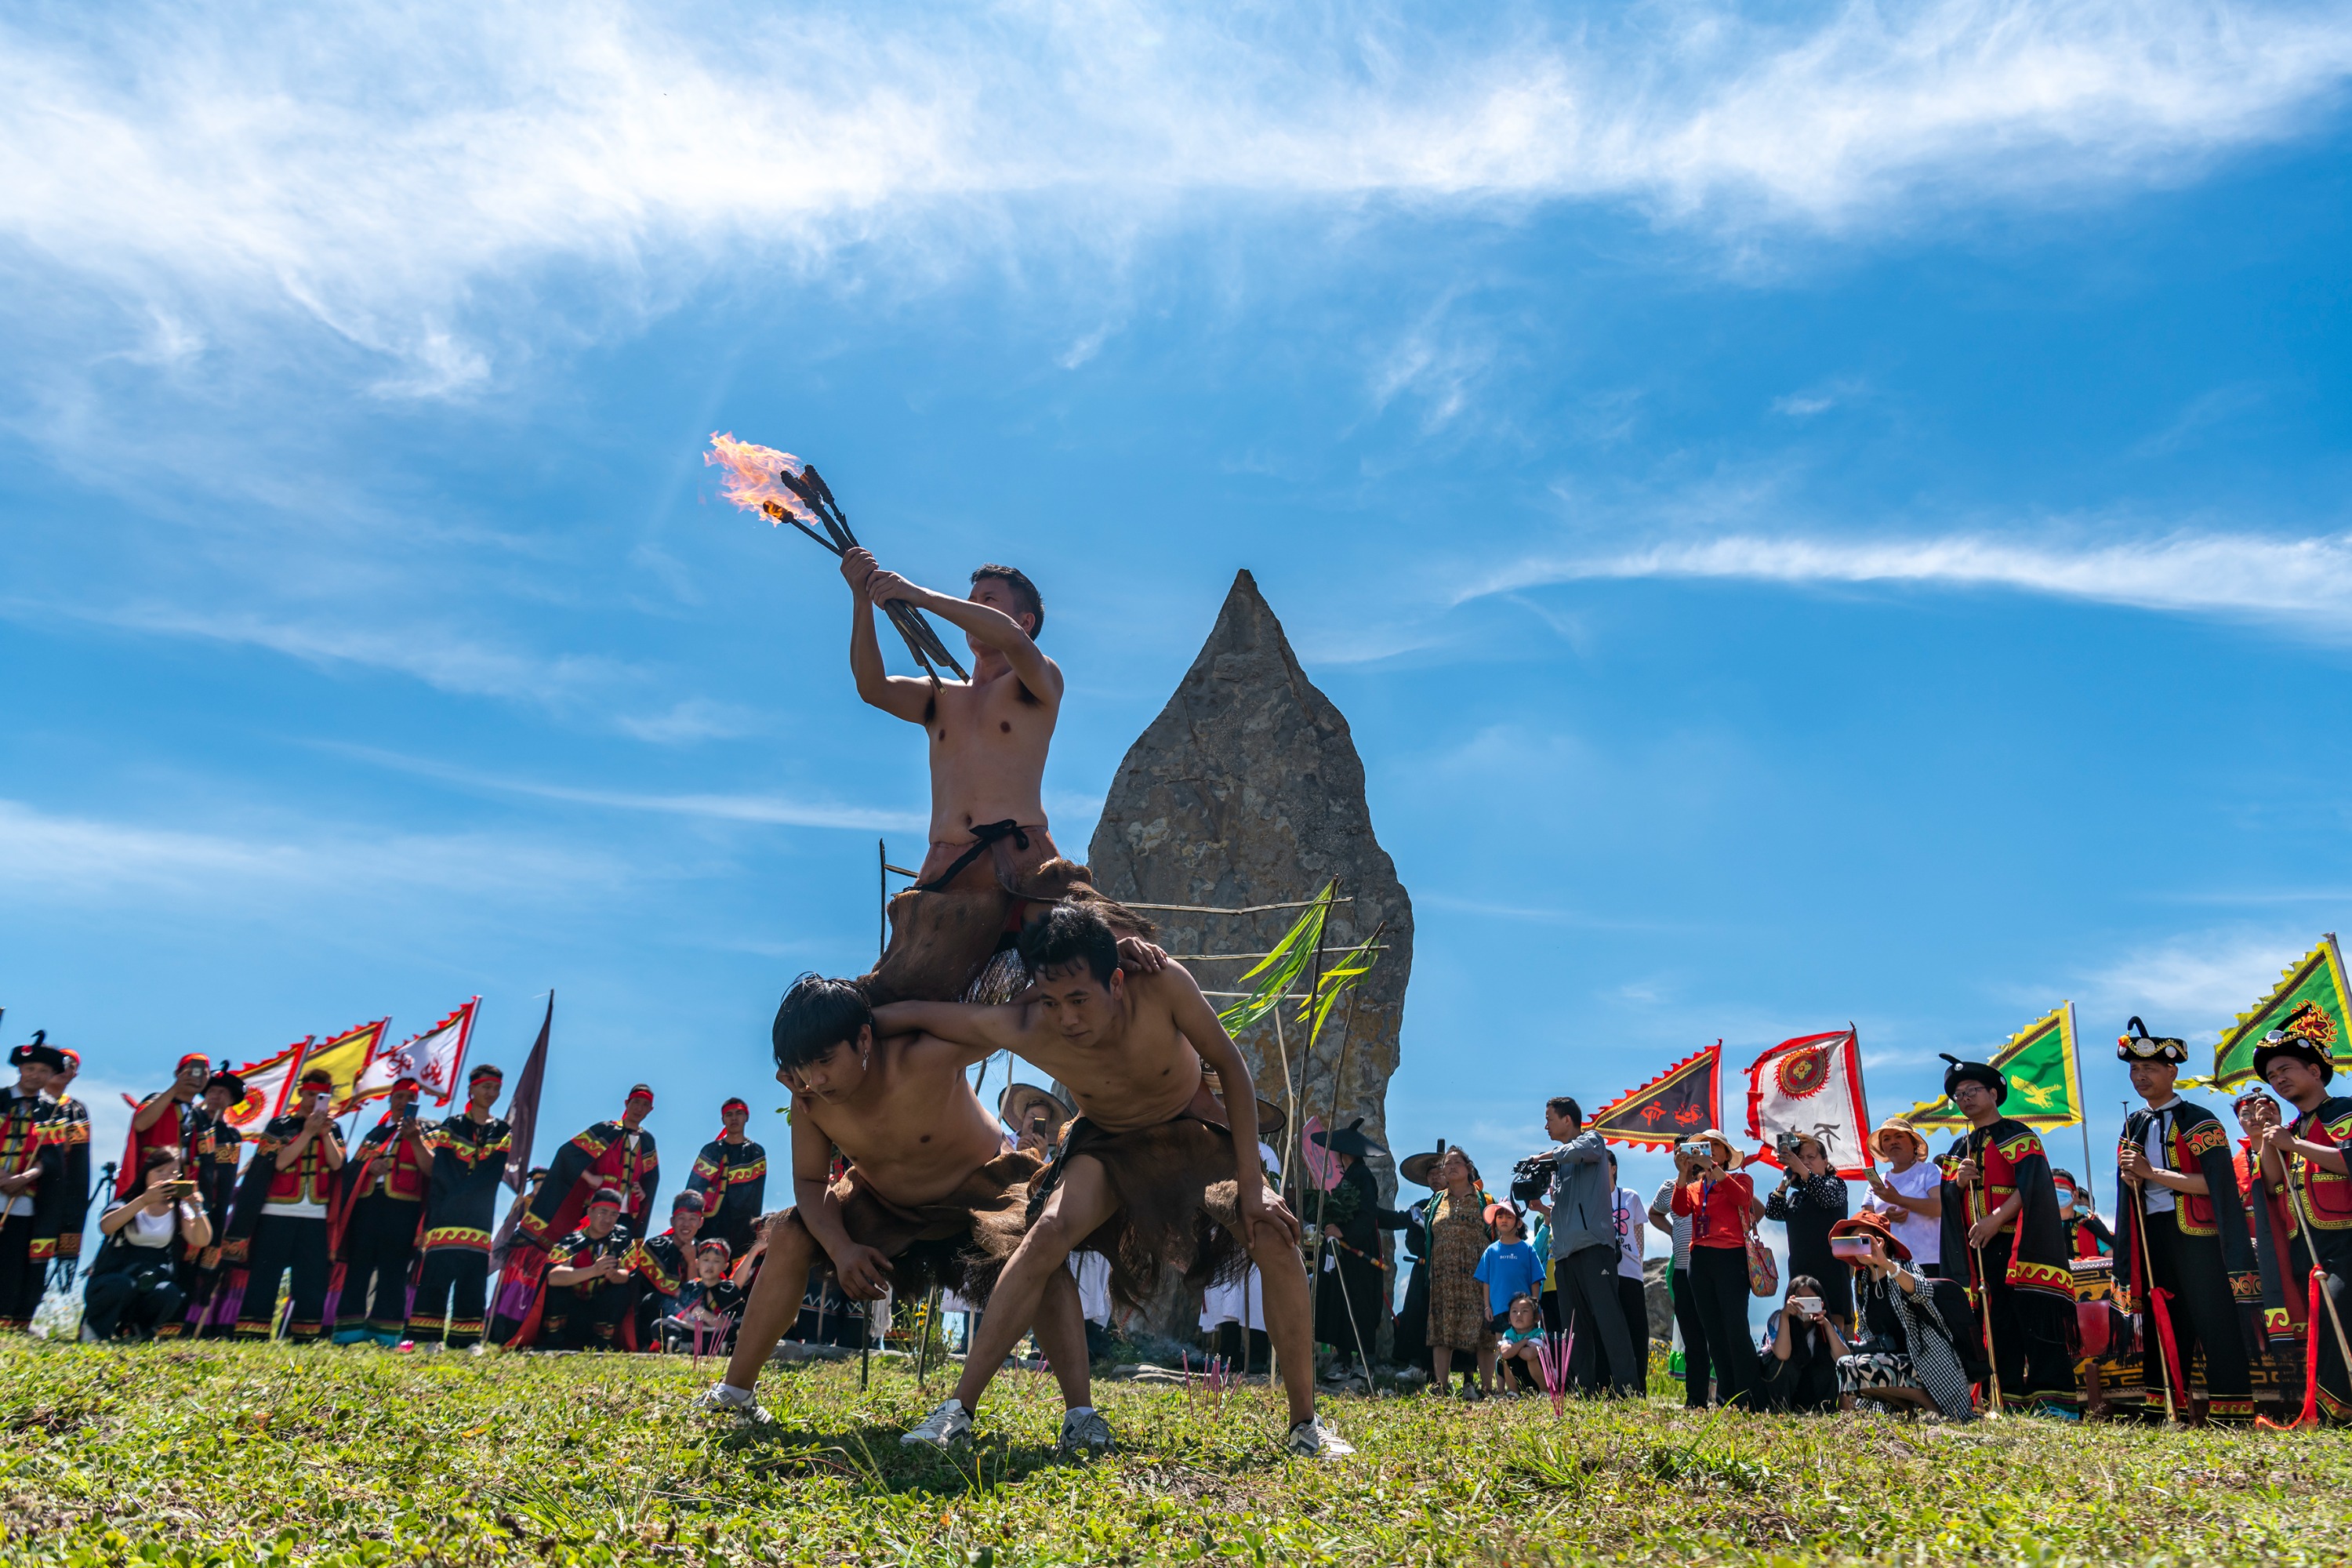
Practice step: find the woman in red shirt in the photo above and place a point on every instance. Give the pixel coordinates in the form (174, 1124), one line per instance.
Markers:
(1720, 1204)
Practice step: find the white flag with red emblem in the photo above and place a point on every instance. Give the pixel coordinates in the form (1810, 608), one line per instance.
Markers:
(1812, 1086)
(432, 1058)
(266, 1083)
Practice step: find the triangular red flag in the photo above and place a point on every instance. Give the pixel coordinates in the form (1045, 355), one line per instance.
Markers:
(1678, 1103)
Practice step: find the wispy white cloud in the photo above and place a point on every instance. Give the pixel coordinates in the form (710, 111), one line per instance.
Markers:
(2195, 986)
(69, 858)
(379, 168)
(2306, 582)
(774, 810)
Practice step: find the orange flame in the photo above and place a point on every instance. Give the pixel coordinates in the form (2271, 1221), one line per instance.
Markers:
(750, 482)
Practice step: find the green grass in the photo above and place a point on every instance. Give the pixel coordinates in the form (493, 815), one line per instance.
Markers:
(200, 1455)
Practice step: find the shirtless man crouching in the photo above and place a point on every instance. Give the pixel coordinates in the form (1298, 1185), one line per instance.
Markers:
(927, 1163)
(1154, 1174)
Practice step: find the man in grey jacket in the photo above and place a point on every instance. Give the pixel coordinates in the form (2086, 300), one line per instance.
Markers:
(1584, 1251)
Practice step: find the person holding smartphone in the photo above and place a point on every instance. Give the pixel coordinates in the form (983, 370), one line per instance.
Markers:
(1720, 1202)
(131, 1292)
(1798, 1371)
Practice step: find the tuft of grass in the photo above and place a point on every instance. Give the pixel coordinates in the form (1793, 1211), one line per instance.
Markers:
(201, 1455)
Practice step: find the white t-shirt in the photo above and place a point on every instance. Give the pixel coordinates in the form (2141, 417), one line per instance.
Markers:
(1923, 1235)
(1632, 1217)
(152, 1230)
(2160, 1200)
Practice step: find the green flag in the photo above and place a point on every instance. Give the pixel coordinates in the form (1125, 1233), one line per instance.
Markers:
(2045, 1089)
(2318, 979)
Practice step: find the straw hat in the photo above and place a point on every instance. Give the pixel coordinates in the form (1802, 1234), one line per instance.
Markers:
(1897, 1125)
(1421, 1169)
(1730, 1159)
(1270, 1119)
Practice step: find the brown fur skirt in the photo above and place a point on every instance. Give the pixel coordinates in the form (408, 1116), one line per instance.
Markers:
(1175, 1190)
(942, 939)
(938, 1243)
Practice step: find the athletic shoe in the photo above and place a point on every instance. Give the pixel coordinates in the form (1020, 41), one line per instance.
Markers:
(714, 1401)
(1085, 1435)
(2054, 1412)
(1311, 1439)
(949, 1427)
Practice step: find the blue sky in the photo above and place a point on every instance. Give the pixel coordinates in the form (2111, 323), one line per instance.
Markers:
(1814, 513)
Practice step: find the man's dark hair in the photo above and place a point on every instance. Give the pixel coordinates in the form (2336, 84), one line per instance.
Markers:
(1024, 592)
(816, 1016)
(1071, 933)
(1565, 1105)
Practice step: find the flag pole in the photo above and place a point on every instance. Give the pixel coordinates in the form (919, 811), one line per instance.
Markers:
(2081, 1111)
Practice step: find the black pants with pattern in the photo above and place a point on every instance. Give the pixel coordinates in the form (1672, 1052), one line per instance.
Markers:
(454, 1286)
(379, 1244)
(21, 1276)
(283, 1243)
(2190, 1270)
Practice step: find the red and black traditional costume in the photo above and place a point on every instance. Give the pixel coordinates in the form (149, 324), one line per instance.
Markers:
(2271, 1216)
(280, 1225)
(730, 1176)
(470, 1159)
(2199, 1261)
(175, 1129)
(589, 1314)
(2021, 1283)
(70, 1135)
(379, 1222)
(660, 1268)
(214, 1155)
(28, 1235)
(2327, 1196)
(609, 1154)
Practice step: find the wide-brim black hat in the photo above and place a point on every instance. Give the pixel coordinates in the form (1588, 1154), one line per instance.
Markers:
(46, 1056)
(2137, 1045)
(1270, 1119)
(1961, 1072)
(1421, 1169)
(1349, 1139)
(2281, 1044)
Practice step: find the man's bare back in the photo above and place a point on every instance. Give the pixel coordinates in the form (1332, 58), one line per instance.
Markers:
(911, 1126)
(988, 739)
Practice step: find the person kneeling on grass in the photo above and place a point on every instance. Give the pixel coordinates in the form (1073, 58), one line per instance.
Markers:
(1918, 1347)
(1518, 1357)
(131, 1292)
(1798, 1371)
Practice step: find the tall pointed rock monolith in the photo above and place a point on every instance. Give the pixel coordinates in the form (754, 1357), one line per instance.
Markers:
(1248, 790)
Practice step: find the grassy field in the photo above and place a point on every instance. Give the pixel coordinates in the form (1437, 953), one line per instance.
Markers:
(203, 1454)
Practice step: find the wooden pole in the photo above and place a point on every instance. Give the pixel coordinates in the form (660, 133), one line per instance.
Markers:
(2139, 1200)
(2311, 1245)
(1984, 1291)
(882, 886)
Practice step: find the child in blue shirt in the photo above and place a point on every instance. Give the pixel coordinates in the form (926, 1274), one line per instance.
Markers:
(1509, 1266)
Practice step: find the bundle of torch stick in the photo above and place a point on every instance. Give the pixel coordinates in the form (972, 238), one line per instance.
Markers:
(786, 489)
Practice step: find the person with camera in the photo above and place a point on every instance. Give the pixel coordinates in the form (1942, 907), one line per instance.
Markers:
(1918, 1344)
(1721, 1203)
(1810, 1198)
(1698, 1370)
(380, 1221)
(131, 1292)
(583, 1306)
(1584, 1247)
(281, 1224)
(1798, 1372)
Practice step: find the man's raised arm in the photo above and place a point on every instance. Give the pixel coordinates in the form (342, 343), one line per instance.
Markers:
(980, 1029)
(987, 624)
(899, 696)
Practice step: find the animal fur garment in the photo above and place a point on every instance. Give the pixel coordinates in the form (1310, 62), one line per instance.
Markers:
(1173, 1184)
(934, 1243)
(940, 938)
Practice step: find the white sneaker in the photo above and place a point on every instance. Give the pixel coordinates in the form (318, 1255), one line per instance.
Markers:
(949, 1427)
(1311, 1439)
(717, 1400)
(1085, 1435)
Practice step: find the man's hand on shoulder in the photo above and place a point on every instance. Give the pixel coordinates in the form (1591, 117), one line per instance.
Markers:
(1138, 956)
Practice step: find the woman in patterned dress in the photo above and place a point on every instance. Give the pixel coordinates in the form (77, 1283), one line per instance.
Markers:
(1458, 1315)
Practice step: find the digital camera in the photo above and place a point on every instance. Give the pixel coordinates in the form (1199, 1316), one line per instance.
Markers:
(1532, 1177)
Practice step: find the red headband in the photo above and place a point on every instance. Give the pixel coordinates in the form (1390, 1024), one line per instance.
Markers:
(196, 1056)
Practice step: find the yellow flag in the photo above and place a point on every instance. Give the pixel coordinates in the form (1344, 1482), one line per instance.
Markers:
(345, 1055)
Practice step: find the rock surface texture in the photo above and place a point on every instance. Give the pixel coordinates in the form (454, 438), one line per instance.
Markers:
(1248, 790)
